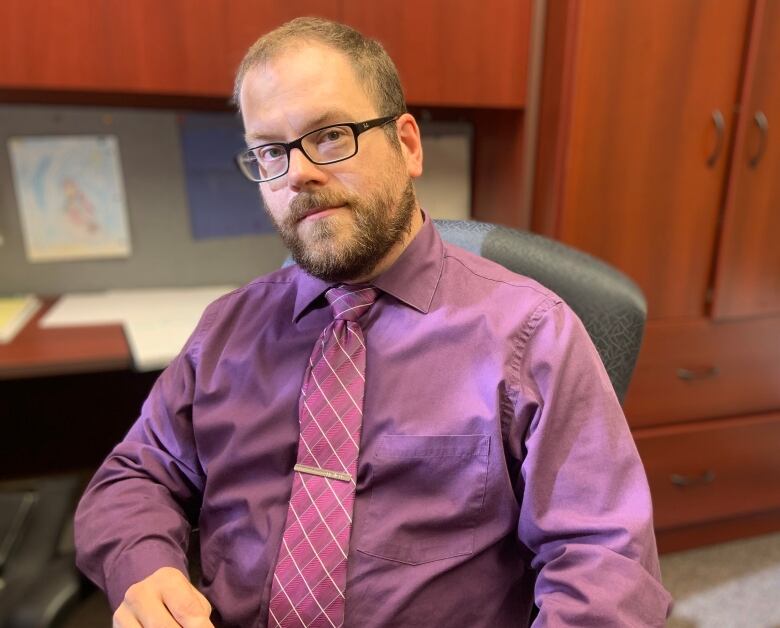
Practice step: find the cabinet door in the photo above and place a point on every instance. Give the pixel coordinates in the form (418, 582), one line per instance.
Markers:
(633, 172)
(143, 46)
(177, 47)
(452, 52)
(747, 280)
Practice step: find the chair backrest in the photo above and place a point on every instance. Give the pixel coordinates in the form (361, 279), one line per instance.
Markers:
(610, 305)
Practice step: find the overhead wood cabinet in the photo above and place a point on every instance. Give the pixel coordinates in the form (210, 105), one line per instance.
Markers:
(142, 46)
(449, 52)
(458, 61)
(452, 52)
(657, 154)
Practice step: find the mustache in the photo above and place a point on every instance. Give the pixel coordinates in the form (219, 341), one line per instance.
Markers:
(305, 202)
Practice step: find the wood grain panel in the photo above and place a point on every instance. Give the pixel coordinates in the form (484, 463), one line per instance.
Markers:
(636, 189)
(452, 52)
(560, 45)
(730, 468)
(498, 167)
(748, 269)
(139, 46)
(699, 369)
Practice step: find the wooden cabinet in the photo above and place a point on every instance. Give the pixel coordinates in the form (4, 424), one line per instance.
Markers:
(449, 52)
(452, 52)
(693, 369)
(632, 166)
(747, 281)
(734, 474)
(656, 153)
(103, 46)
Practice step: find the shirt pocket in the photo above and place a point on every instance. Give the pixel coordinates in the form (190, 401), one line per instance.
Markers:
(426, 497)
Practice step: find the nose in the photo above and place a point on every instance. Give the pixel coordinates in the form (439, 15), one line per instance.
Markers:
(302, 172)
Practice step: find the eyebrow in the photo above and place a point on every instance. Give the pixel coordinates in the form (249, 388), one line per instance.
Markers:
(331, 116)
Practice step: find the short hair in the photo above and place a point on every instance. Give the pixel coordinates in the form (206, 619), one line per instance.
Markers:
(371, 63)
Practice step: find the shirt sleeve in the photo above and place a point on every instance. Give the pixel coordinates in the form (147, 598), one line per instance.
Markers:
(585, 509)
(135, 514)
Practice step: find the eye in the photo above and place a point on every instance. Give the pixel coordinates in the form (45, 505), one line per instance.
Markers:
(332, 134)
(269, 152)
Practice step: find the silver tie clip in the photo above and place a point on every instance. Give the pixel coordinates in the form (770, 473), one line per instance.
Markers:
(325, 473)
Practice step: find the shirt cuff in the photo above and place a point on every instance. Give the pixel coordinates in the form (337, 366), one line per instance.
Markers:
(137, 563)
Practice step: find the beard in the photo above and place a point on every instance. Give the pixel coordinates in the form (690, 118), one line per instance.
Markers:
(379, 221)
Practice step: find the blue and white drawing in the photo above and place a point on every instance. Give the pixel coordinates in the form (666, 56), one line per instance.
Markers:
(71, 197)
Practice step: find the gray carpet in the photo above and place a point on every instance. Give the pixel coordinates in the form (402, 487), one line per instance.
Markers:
(732, 585)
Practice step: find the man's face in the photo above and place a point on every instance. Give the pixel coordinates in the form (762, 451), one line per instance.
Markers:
(338, 220)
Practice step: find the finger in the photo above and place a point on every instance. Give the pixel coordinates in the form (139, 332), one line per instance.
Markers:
(146, 606)
(187, 605)
(204, 602)
(123, 618)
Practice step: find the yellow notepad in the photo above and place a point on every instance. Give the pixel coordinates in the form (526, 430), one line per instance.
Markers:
(14, 314)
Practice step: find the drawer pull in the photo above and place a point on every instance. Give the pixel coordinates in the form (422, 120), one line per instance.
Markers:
(720, 126)
(708, 477)
(690, 375)
(763, 128)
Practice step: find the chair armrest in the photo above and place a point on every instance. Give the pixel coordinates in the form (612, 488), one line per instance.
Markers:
(48, 596)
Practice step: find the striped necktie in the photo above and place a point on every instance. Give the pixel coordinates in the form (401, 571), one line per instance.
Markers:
(309, 582)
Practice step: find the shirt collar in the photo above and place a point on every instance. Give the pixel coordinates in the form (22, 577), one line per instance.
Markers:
(413, 277)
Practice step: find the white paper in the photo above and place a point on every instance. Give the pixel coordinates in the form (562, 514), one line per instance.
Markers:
(157, 322)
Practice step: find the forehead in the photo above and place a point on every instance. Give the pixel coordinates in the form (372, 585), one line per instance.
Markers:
(302, 85)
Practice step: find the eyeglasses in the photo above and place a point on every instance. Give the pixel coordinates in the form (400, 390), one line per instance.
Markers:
(327, 145)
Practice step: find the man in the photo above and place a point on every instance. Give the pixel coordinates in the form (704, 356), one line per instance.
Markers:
(393, 432)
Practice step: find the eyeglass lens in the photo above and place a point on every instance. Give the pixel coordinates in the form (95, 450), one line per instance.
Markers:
(322, 146)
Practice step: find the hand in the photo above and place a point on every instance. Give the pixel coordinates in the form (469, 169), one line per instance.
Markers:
(164, 599)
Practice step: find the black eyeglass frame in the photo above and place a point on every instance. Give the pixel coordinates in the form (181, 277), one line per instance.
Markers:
(356, 127)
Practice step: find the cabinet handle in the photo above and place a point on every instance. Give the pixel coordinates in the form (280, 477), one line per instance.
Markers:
(708, 477)
(760, 120)
(694, 374)
(720, 128)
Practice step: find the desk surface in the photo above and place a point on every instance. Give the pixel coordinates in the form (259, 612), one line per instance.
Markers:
(39, 352)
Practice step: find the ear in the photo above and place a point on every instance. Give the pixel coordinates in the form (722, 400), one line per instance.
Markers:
(411, 144)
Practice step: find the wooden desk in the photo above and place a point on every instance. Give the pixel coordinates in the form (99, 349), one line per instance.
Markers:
(38, 352)
(67, 396)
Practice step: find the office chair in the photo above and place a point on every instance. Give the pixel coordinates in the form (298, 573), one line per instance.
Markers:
(39, 581)
(610, 305)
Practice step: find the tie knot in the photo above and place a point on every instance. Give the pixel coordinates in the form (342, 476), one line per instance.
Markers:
(350, 302)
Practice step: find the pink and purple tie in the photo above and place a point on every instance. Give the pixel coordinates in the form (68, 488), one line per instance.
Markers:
(311, 572)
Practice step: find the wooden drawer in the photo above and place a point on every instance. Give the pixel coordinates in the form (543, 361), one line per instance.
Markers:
(698, 369)
(712, 470)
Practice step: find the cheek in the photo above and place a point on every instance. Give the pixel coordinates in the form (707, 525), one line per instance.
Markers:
(275, 203)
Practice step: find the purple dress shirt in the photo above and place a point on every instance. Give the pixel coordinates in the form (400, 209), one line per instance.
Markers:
(496, 466)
